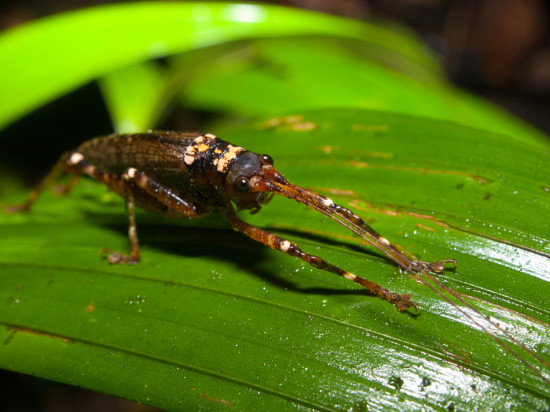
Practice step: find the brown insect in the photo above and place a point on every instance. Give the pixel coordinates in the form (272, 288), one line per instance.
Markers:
(190, 175)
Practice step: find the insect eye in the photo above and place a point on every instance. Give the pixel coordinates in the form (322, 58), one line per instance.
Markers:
(242, 184)
(266, 160)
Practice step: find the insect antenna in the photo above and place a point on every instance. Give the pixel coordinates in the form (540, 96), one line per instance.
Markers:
(350, 221)
(418, 269)
(456, 295)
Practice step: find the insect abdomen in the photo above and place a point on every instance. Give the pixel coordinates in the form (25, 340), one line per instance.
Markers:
(148, 152)
(190, 165)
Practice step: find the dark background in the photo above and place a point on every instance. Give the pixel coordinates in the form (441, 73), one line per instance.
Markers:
(498, 49)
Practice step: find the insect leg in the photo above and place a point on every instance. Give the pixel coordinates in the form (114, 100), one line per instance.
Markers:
(67, 187)
(133, 257)
(75, 162)
(277, 183)
(412, 265)
(134, 177)
(377, 240)
(55, 173)
(402, 302)
(125, 185)
(163, 195)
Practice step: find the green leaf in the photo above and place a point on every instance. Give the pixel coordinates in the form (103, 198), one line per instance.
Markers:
(209, 318)
(132, 95)
(50, 56)
(377, 67)
(274, 76)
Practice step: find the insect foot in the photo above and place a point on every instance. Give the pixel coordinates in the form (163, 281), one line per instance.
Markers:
(116, 257)
(401, 302)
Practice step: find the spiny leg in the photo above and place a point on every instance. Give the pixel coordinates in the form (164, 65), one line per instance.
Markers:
(402, 302)
(414, 265)
(383, 244)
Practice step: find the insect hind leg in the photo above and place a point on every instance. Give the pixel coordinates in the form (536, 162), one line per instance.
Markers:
(402, 302)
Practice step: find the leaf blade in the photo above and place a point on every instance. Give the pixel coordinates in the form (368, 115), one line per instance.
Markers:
(205, 299)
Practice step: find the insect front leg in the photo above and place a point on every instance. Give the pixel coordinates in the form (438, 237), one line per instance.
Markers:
(410, 265)
(402, 302)
(379, 241)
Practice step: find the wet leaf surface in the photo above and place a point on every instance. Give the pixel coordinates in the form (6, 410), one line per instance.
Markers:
(210, 318)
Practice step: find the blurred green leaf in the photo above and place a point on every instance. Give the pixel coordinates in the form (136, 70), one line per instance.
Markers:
(133, 95)
(376, 67)
(209, 318)
(274, 76)
(51, 56)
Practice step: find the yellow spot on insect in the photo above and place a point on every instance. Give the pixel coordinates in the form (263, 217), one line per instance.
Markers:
(285, 245)
(203, 147)
(210, 135)
(217, 151)
(190, 152)
(230, 154)
(75, 158)
(199, 140)
(350, 276)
